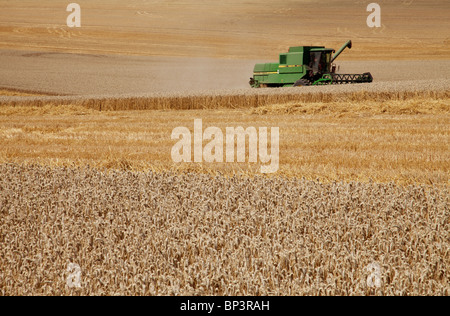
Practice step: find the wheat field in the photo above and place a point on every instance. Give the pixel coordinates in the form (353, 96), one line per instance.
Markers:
(91, 202)
(361, 184)
(136, 233)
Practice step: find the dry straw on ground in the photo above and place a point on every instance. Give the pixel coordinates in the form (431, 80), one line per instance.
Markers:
(402, 141)
(234, 29)
(166, 234)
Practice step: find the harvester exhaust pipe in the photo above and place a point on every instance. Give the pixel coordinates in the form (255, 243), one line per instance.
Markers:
(348, 44)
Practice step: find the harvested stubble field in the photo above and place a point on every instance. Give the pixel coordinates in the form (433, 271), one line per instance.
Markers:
(233, 29)
(151, 233)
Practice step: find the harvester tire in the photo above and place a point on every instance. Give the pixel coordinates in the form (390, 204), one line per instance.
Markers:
(302, 83)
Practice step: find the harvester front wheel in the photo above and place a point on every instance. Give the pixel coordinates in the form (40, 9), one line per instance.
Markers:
(302, 83)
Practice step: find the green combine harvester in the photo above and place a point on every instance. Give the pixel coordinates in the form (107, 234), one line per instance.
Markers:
(305, 66)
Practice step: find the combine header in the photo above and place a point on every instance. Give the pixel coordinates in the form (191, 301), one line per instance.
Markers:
(305, 66)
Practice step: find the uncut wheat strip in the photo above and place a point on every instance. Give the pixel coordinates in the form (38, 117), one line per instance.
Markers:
(247, 101)
(245, 98)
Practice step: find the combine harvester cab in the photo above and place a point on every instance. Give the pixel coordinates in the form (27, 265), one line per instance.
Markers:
(305, 66)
